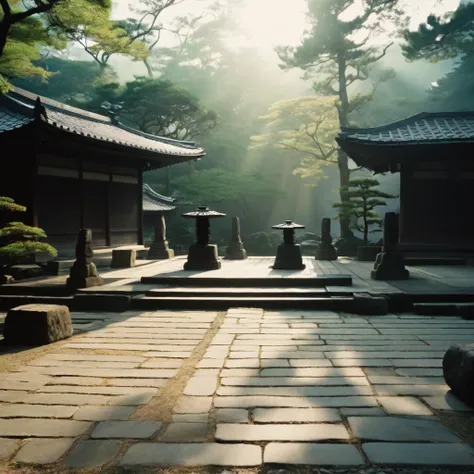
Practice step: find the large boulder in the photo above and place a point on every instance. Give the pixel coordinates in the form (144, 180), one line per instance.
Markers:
(458, 371)
(37, 324)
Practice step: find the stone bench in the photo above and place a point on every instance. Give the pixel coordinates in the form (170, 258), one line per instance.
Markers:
(37, 324)
(124, 258)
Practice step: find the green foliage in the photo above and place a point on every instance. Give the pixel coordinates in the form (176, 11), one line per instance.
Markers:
(219, 186)
(453, 92)
(306, 126)
(162, 108)
(9, 205)
(442, 37)
(331, 56)
(19, 241)
(363, 198)
(72, 82)
(25, 28)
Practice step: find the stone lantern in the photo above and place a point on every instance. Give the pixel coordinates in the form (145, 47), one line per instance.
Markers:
(289, 253)
(203, 255)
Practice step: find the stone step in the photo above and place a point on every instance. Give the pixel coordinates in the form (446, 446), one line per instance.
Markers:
(463, 309)
(228, 282)
(238, 292)
(102, 258)
(225, 302)
(10, 301)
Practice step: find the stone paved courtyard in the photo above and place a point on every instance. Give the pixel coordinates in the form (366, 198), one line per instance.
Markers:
(238, 388)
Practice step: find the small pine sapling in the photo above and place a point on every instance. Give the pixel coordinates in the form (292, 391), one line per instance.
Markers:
(364, 197)
(19, 241)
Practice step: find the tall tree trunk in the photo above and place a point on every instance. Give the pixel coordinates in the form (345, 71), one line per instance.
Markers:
(342, 160)
(4, 30)
(148, 68)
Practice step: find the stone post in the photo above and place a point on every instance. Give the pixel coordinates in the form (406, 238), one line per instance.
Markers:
(236, 250)
(326, 250)
(389, 264)
(83, 273)
(159, 249)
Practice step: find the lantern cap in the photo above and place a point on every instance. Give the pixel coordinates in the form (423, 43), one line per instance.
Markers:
(289, 224)
(203, 211)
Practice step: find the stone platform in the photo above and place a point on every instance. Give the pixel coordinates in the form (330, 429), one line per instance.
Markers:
(241, 388)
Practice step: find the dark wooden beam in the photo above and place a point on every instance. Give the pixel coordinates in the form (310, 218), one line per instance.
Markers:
(140, 207)
(81, 192)
(108, 225)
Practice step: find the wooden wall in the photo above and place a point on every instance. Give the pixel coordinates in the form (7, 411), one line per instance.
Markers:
(437, 207)
(72, 194)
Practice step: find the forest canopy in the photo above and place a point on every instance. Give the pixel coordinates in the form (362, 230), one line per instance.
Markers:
(265, 99)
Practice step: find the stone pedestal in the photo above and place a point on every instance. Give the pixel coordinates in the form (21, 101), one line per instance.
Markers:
(235, 250)
(289, 258)
(326, 250)
(83, 273)
(288, 255)
(203, 257)
(159, 249)
(37, 324)
(124, 258)
(389, 264)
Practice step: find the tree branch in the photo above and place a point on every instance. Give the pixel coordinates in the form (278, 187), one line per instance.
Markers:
(40, 8)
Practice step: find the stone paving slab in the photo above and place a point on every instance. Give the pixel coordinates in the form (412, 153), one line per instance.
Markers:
(290, 381)
(42, 428)
(202, 454)
(126, 429)
(43, 451)
(7, 447)
(96, 390)
(90, 413)
(93, 357)
(81, 381)
(281, 432)
(93, 453)
(400, 429)
(447, 402)
(185, 433)
(201, 386)
(107, 373)
(404, 406)
(293, 402)
(295, 415)
(296, 391)
(419, 454)
(312, 454)
(10, 410)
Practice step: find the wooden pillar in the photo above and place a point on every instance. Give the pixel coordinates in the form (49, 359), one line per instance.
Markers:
(140, 207)
(108, 225)
(34, 192)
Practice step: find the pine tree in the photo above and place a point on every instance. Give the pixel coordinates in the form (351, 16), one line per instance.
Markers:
(19, 241)
(363, 199)
(332, 55)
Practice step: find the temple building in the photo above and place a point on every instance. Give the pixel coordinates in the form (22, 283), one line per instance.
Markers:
(74, 169)
(434, 154)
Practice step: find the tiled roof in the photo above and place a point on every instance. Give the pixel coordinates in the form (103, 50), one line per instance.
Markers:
(154, 202)
(422, 128)
(10, 120)
(17, 109)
